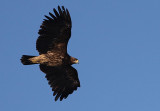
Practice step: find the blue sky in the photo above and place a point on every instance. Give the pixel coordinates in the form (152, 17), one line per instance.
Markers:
(116, 41)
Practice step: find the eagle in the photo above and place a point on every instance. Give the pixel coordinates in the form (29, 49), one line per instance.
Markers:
(53, 59)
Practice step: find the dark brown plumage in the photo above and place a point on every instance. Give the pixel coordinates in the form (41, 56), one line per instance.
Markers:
(54, 60)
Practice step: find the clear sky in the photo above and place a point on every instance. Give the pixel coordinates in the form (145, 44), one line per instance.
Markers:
(116, 41)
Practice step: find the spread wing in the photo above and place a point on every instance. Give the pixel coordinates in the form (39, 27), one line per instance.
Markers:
(55, 31)
(63, 80)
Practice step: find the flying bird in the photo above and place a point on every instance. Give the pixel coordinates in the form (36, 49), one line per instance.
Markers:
(53, 58)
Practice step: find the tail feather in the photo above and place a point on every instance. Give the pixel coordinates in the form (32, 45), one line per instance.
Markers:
(25, 60)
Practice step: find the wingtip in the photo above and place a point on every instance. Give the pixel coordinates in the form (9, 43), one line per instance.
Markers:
(56, 13)
(63, 8)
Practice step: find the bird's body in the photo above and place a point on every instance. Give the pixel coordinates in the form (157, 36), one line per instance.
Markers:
(49, 59)
(53, 58)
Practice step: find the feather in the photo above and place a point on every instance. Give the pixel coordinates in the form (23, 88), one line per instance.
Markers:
(60, 11)
(52, 15)
(56, 13)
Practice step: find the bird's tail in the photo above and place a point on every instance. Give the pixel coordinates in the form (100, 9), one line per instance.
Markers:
(26, 60)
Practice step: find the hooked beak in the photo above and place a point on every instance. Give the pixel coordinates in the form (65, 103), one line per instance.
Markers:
(77, 62)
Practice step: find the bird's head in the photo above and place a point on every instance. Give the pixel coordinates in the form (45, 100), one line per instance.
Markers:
(74, 60)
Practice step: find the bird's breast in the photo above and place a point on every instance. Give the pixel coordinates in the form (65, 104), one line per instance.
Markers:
(54, 59)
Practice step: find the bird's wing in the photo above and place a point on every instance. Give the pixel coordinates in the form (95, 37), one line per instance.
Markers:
(63, 80)
(55, 31)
